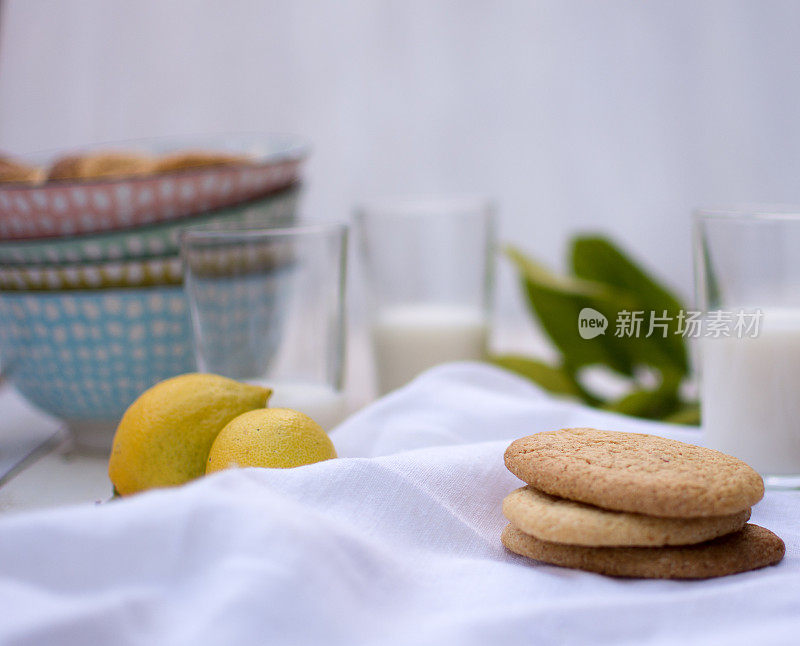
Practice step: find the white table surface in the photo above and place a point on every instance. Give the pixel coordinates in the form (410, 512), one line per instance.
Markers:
(55, 475)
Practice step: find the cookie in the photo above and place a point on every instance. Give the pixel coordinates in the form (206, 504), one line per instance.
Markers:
(12, 170)
(750, 548)
(197, 159)
(634, 472)
(101, 165)
(559, 520)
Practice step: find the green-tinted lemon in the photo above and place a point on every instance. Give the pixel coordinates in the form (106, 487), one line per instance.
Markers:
(270, 437)
(165, 435)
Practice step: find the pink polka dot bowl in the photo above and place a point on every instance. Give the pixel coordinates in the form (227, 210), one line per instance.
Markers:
(72, 207)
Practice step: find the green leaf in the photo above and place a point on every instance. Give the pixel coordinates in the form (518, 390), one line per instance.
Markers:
(556, 302)
(651, 404)
(686, 414)
(655, 403)
(553, 379)
(608, 281)
(598, 259)
(713, 297)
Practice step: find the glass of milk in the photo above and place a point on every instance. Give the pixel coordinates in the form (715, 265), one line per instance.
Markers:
(747, 266)
(267, 307)
(428, 268)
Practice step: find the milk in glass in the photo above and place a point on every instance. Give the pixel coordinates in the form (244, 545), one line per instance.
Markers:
(751, 394)
(326, 406)
(411, 338)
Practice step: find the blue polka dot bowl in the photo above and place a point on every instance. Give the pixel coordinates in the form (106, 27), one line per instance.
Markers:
(86, 355)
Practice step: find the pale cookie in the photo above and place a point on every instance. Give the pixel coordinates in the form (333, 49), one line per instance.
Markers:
(109, 164)
(197, 159)
(12, 170)
(750, 548)
(559, 520)
(633, 472)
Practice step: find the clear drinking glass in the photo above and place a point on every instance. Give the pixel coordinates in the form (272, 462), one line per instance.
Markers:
(267, 307)
(429, 274)
(747, 269)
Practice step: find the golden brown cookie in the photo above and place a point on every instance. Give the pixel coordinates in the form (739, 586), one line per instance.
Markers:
(196, 159)
(101, 165)
(634, 472)
(558, 520)
(750, 548)
(12, 170)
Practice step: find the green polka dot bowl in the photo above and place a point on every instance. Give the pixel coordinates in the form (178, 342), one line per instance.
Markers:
(21, 261)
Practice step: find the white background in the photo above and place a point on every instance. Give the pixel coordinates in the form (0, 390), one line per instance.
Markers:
(575, 115)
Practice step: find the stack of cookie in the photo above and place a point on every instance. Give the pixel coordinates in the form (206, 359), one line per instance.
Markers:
(632, 505)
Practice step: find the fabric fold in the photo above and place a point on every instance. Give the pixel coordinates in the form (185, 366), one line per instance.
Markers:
(397, 542)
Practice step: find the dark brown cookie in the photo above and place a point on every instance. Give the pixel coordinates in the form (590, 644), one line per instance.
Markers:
(750, 548)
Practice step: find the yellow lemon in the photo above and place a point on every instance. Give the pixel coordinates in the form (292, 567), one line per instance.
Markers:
(165, 435)
(271, 437)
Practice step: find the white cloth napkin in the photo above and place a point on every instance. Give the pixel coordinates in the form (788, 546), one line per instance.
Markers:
(395, 543)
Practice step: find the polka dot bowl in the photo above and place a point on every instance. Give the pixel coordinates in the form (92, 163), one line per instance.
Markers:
(84, 356)
(105, 275)
(66, 208)
(135, 258)
(156, 240)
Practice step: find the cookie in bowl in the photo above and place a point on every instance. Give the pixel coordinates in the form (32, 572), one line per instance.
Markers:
(111, 164)
(12, 170)
(187, 160)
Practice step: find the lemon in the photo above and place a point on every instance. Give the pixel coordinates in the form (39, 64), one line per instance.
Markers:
(270, 437)
(164, 437)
